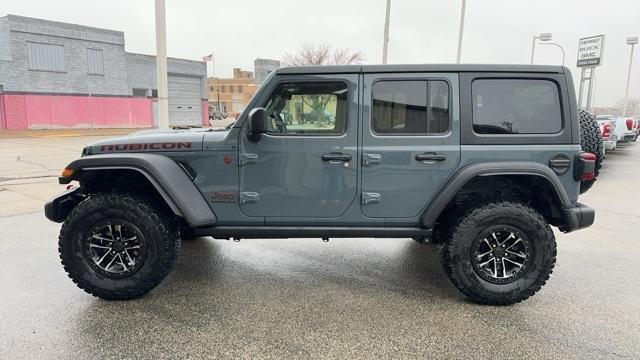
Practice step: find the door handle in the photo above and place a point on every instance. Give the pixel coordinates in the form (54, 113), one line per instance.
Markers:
(336, 157)
(431, 157)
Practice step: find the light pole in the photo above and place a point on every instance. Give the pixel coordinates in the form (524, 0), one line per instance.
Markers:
(461, 32)
(631, 41)
(161, 65)
(558, 45)
(385, 41)
(541, 37)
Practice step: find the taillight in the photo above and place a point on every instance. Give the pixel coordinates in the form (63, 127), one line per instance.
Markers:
(606, 130)
(585, 166)
(630, 124)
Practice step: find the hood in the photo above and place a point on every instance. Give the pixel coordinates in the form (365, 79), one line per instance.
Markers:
(157, 140)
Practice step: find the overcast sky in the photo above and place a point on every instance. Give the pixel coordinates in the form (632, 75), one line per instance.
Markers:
(422, 31)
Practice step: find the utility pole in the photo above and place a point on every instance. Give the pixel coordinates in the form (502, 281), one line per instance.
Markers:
(461, 32)
(631, 41)
(161, 65)
(385, 42)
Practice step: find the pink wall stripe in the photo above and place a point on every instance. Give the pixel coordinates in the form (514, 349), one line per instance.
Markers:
(60, 111)
(3, 125)
(205, 113)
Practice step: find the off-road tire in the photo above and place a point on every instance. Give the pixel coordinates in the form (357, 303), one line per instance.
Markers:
(456, 252)
(158, 227)
(591, 141)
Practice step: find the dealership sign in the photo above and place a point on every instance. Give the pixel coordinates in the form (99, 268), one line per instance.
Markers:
(590, 51)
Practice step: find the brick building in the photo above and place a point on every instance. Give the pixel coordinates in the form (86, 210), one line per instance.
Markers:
(57, 75)
(232, 94)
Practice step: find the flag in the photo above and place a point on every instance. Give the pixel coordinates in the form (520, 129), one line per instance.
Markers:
(208, 57)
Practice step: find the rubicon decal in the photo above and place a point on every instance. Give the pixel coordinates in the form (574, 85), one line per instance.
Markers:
(147, 146)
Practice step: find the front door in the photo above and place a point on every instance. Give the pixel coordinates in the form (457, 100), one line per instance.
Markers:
(410, 139)
(306, 165)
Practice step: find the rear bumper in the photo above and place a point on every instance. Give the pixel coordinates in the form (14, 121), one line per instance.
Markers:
(578, 217)
(608, 144)
(627, 137)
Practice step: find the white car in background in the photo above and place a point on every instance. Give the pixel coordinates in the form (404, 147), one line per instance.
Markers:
(608, 133)
(624, 129)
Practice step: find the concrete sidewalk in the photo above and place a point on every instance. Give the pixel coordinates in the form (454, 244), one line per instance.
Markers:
(30, 162)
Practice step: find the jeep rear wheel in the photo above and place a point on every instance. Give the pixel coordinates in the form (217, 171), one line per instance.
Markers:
(500, 253)
(117, 246)
(590, 141)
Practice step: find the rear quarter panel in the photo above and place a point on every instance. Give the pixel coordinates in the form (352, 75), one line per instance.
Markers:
(472, 154)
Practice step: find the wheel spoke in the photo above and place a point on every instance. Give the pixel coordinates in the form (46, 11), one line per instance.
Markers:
(504, 270)
(122, 262)
(487, 242)
(119, 228)
(131, 238)
(131, 262)
(485, 254)
(101, 238)
(486, 262)
(133, 247)
(514, 263)
(109, 264)
(111, 232)
(517, 254)
(100, 246)
(517, 241)
(511, 235)
(102, 258)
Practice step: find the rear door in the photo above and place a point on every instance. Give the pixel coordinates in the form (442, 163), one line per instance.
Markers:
(411, 141)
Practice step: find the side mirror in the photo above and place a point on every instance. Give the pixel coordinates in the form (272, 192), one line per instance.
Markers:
(257, 123)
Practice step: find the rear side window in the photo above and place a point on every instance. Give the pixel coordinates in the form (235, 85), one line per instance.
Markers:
(516, 106)
(410, 107)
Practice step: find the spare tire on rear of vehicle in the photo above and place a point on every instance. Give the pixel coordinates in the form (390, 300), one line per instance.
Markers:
(591, 142)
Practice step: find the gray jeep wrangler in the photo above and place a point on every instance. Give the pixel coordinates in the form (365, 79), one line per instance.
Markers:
(481, 159)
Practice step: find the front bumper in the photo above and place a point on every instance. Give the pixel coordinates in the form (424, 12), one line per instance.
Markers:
(578, 217)
(59, 207)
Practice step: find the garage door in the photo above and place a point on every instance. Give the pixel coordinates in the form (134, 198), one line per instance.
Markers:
(185, 95)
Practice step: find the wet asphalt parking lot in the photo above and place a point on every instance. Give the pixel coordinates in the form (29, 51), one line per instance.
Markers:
(348, 298)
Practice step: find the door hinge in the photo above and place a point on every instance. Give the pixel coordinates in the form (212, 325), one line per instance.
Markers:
(249, 197)
(370, 198)
(371, 159)
(248, 159)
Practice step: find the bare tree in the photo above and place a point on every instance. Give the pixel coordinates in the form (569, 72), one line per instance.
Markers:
(310, 54)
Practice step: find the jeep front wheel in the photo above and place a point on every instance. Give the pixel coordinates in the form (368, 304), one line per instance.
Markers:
(117, 246)
(500, 253)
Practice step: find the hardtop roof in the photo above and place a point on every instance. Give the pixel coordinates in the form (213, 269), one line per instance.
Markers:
(406, 68)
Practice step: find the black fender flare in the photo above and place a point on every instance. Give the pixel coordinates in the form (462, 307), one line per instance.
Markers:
(466, 173)
(166, 176)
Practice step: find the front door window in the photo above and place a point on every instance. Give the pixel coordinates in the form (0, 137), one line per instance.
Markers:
(310, 108)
